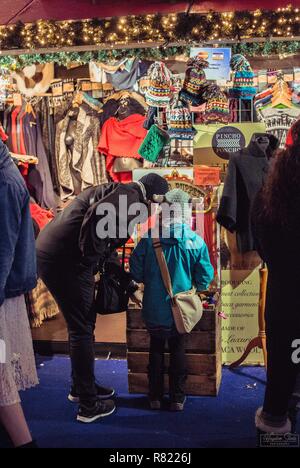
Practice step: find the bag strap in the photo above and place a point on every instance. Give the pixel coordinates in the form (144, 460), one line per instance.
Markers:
(163, 266)
(123, 256)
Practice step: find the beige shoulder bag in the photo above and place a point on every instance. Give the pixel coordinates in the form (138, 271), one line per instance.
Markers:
(186, 306)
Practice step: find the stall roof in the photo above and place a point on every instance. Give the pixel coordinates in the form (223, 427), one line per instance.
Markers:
(29, 11)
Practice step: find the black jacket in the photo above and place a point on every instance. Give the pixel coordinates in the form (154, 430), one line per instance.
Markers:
(72, 234)
(246, 173)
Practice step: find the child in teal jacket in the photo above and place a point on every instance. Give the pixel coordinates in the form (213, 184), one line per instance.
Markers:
(189, 265)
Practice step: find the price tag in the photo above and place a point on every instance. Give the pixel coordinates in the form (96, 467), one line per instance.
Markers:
(97, 86)
(205, 176)
(86, 86)
(68, 87)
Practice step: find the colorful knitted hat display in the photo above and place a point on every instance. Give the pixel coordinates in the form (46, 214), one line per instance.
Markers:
(195, 82)
(217, 106)
(158, 93)
(179, 122)
(243, 81)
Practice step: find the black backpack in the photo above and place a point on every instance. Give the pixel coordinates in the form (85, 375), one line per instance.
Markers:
(114, 288)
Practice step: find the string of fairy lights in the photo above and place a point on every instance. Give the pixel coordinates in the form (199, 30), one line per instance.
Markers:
(191, 28)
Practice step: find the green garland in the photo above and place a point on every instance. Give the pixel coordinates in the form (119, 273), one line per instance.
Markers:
(267, 48)
(66, 58)
(191, 28)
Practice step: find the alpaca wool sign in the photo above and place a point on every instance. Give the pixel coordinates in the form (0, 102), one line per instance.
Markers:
(240, 298)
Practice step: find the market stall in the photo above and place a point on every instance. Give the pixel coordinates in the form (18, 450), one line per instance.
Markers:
(81, 98)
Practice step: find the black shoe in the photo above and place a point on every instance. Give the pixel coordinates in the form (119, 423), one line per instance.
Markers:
(100, 409)
(103, 393)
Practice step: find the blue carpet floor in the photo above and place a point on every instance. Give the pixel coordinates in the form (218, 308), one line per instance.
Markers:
(225, 421)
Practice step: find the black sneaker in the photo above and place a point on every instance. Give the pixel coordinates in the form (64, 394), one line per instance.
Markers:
(103, 393)
(101, 409)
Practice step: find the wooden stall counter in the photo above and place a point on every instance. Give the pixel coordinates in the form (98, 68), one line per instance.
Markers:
(203, 349)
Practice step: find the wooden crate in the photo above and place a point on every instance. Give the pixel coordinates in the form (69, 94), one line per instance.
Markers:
(203, 347)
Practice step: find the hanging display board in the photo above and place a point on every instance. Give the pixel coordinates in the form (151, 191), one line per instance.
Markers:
(215, 143)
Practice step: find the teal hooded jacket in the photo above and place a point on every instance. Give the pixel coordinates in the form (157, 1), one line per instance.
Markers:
(189, 265)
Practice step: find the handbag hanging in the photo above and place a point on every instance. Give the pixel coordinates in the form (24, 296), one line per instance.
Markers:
(113, 289)
(186, 306)
(153, 143)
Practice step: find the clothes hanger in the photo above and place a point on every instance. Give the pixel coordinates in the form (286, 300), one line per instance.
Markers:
(282, 100)
(281, 94)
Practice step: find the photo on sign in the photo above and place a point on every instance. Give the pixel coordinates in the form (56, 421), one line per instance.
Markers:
(218, 59)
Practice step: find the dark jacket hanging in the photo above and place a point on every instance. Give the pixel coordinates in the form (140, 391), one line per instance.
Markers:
(246, 173)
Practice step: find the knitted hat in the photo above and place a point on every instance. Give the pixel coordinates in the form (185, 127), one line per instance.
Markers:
(180, 123)
(181, 199)
(158, 93)
(217, 106)
(243, 81)
(195, 81)
(154, 185)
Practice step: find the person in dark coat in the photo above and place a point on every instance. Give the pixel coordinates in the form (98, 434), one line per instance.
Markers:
(276, 228)
(70, 250)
